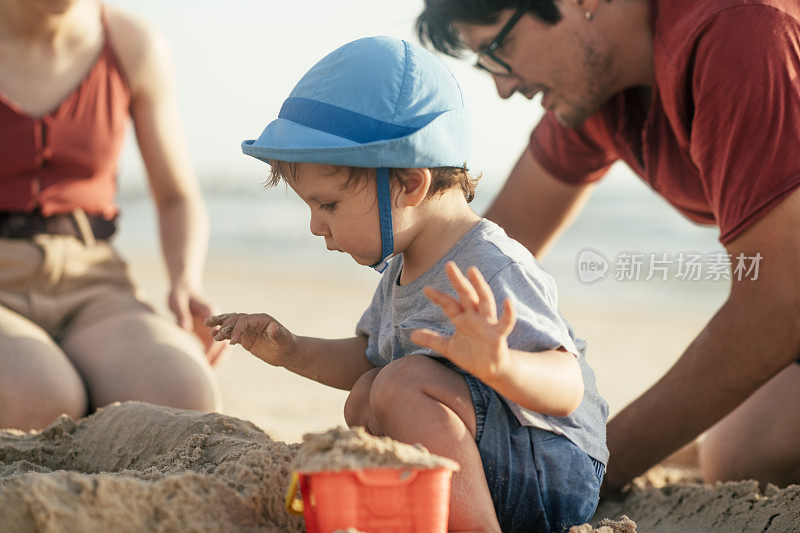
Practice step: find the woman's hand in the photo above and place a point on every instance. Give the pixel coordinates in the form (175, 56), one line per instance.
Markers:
(479, 343)
(191, 309)
(259, 334)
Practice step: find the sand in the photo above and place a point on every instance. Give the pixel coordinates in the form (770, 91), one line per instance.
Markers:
(671, 497)
(689, 508)
(606, 525)
(137, 467)
(347, 449)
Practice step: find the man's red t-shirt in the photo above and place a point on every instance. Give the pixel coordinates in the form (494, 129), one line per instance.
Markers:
(721, 138)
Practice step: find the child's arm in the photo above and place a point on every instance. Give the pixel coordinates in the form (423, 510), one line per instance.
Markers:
(334, 362)
(548, 382)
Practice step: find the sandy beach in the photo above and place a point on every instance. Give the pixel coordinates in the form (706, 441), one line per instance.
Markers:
(135, 467)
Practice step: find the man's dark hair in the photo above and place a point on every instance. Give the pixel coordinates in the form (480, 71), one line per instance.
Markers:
(435, 25)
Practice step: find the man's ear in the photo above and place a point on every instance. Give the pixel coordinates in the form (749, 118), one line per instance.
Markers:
(415, 190)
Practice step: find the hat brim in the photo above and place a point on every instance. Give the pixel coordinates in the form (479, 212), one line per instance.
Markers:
(284, 140)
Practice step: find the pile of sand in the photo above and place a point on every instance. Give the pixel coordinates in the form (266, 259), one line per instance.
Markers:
(606, 525)
(346, 449)
(689, 508)
(673, 499)
(138, 467)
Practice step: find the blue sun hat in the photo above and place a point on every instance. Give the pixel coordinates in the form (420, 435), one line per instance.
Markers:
(378, 102)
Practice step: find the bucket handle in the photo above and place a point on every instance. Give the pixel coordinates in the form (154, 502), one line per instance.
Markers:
(294, 505)
(406, 477)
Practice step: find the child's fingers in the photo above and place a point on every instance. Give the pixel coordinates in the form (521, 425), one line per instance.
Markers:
(224, 333)
(227, 327)
(429, 339)
(486, 303)
(216, 320)
(448, 304)
(509, 318)
(249, 324)
(468, 296)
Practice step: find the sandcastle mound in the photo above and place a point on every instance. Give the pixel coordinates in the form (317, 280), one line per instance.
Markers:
(138, 467)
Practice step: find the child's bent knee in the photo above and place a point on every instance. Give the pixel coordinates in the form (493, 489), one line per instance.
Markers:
(356, 407)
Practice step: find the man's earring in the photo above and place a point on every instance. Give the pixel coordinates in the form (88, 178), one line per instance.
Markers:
(589, 16)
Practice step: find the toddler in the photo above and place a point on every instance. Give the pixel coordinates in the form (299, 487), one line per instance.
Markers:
(375, 139)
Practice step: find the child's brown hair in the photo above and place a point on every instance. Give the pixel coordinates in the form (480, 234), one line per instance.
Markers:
(442, 178)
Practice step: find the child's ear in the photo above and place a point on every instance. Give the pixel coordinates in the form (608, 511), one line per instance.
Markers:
(415, 190)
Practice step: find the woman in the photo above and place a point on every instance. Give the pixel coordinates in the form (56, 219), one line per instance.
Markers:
(73, 334)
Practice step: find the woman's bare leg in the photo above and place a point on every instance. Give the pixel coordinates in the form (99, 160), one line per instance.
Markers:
(145, 357)
(37, 381)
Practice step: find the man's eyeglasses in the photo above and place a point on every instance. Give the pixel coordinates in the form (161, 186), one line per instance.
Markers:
(487, 60)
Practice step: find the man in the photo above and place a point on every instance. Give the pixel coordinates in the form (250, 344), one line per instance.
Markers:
(702, 100)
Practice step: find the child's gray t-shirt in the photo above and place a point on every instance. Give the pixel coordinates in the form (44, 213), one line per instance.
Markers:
(512, 272)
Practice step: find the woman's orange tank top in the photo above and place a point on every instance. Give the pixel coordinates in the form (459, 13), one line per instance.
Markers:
(67, 159)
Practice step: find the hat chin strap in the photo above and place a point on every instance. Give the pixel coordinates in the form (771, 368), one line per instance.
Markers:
(385, 217)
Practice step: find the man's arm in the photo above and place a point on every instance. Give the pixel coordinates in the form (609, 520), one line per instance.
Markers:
(183, 221)
(752, 337)
(534, 207)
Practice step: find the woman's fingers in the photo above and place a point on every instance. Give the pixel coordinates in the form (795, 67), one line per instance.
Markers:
(486, 304)
(468, 298)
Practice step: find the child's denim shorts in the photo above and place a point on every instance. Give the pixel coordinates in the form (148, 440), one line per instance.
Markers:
(539, 481)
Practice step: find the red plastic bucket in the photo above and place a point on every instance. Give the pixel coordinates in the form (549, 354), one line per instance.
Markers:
(387, 500)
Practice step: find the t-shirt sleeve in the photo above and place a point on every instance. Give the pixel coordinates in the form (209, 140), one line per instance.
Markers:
(369, 325)
(539, 325)
(745, 136)
(570, 155)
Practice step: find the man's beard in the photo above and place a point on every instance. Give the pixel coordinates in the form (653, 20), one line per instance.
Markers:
(598, 89)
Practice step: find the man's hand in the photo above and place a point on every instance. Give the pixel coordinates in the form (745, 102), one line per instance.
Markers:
(260, 334)
(479, 343)
(190, 310)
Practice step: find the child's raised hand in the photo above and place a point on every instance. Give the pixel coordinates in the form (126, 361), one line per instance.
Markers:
(479, 343)
(260, 334)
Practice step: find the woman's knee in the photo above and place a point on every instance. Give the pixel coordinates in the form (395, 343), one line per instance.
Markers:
(32, 397)
(192, 385)
(143, 357)
(179, 380)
